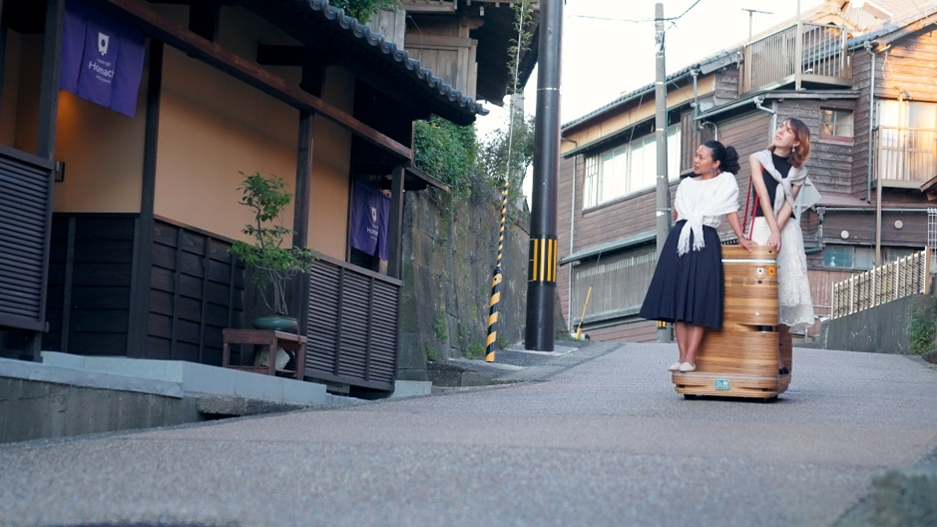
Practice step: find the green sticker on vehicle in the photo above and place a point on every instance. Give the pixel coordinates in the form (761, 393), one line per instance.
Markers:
(721, 384)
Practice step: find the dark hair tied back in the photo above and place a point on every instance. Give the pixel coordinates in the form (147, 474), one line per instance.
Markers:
(726, 155)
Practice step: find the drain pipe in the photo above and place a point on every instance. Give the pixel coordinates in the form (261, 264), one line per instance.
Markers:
(696, 112)
(695, 73)
(774, 114)
(572, 235)
(868, 45)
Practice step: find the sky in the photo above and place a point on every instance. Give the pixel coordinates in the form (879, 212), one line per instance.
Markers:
(608, 46)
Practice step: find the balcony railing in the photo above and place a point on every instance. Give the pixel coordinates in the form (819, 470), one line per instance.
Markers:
(772, 61)
(905, 157)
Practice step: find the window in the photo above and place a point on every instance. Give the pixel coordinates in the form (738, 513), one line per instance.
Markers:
(907, 114)
(628, 168)
(906, 140)
(849, 257)
(836, 124)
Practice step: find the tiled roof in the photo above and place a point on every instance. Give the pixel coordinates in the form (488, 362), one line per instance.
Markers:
(399, 57)
(727, 56)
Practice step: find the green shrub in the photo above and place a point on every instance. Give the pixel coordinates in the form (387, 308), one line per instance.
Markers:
(922, 326)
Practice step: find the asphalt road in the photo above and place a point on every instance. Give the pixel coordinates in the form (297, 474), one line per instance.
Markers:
(604, 442)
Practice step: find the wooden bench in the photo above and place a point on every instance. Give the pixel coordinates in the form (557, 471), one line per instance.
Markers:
(272, 339)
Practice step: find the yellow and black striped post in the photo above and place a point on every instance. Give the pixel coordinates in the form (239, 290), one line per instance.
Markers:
(496, 283)
(493, 316)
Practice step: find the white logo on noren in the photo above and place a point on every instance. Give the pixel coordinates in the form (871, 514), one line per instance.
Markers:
(103, 42)
(374, 214)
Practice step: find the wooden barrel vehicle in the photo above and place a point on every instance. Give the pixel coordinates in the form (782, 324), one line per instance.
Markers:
(741, 359)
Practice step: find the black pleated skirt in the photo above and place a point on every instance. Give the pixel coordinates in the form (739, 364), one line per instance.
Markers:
(688, 288)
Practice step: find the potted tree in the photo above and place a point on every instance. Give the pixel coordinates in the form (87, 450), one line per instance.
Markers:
(271, 266)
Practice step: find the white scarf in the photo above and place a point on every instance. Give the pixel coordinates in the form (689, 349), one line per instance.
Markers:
(704, 202)
(796, 176)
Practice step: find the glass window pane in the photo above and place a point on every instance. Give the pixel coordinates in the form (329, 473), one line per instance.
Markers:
(863, 258)
(922, 115)
(673, 153)
(889, 114)
(837, 256)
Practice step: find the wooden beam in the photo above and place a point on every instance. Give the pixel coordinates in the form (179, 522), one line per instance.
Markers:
(204, 19)
(395, 224)
(145, 225)
(3, 49)
(49, 89)
(214, 55)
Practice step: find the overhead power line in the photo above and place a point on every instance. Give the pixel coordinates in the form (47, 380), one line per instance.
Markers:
(639, 21)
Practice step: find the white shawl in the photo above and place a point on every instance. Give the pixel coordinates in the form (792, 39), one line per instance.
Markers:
(704, 203)
(796, 176)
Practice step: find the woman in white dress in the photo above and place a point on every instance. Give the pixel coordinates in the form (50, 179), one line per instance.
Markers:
(778, 174)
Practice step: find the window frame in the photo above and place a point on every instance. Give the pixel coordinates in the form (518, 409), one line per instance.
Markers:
(848, 139)
(593, 177)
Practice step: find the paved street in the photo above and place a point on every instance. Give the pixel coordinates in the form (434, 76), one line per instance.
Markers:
(605, 442)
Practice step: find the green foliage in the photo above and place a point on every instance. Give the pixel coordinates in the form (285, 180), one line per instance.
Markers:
(440, 326)
(271, 263)
(476, 350)
(431, 355)
(523, 23)
(447, 152)
(922, 327)
(509, 152)
(363, 9)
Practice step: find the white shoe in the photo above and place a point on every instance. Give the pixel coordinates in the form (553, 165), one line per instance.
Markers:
(687, 367)
(675, 366)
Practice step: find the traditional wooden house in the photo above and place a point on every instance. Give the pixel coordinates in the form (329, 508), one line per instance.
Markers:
(118, 208)
(856, 75)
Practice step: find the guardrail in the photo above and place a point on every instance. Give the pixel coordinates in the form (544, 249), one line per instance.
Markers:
(904, 277)
(905, 154)
(772, 61)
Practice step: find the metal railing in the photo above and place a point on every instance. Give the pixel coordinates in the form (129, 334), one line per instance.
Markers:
(619, 285)
(772, 61)
(904, 277)
(905, 154)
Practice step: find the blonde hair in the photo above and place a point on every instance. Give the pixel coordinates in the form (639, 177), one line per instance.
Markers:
(801, 152)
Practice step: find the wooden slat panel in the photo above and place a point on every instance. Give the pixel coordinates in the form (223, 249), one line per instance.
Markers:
(352, 326)
(25, 190)
(191, 297)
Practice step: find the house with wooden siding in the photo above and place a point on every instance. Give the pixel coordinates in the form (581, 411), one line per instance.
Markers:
(115, 227)
(857, 75)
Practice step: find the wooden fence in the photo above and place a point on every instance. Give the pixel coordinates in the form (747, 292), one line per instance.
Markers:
(904, 277)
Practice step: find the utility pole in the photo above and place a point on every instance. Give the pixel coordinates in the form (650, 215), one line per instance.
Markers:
(750, 13)
(542, 263)
(663, 182)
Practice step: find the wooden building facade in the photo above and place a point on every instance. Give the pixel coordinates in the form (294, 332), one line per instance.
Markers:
(741, 96)
(115, 228)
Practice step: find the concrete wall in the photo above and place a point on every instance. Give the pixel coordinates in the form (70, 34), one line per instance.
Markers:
(882, 329)
(449, 258)
(38, 409)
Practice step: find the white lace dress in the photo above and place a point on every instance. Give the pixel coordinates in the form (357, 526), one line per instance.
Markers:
(796, 305)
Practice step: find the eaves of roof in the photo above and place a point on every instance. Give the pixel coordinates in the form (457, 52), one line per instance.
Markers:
(719, 60)
(757, 97)
(361, 35)
(605, 248)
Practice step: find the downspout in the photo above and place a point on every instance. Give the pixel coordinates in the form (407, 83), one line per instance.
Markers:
(868, 185)
(774, 114)
(572, 236)
(695, 72)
